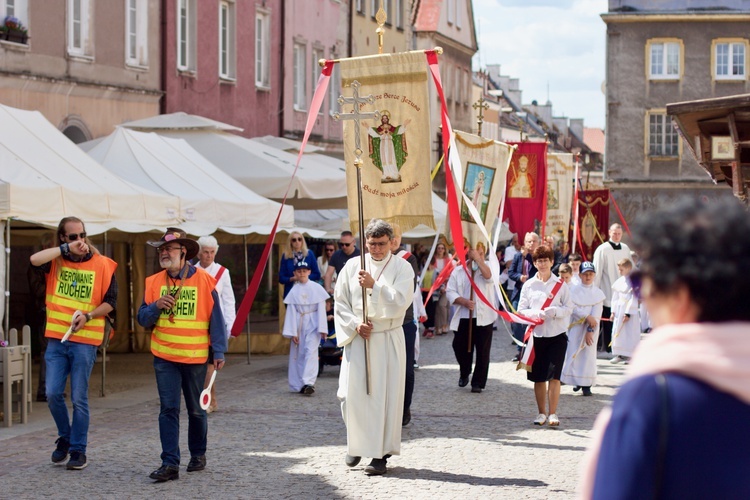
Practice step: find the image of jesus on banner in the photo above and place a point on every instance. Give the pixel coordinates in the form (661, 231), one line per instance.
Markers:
(522, 178)
(388, 147)
(478, 187)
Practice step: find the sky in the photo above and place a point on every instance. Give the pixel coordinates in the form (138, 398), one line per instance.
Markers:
(555, 43)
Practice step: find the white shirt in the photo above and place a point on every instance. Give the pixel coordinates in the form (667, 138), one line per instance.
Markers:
(605, 262)
(460, 286)
(534, 294)
(225, 293)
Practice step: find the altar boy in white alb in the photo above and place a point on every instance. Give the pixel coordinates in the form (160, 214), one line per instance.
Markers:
(626, 324)
(373, 422)
(305, 323)
(579, 369)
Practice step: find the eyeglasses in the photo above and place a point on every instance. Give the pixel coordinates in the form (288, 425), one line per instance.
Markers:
(167, 249)
(341, 244)
(296, 239)
(330, 250)
(636, 283)
(74, 237)
(378, 244)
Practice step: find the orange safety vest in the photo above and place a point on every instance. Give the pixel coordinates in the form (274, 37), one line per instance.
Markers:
(181, 333)
(77, 286)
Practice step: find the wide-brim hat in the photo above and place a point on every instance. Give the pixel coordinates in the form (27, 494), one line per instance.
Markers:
(177, 235)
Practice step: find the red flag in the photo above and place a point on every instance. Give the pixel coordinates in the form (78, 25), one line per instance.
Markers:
(526, 193)
(593, 221)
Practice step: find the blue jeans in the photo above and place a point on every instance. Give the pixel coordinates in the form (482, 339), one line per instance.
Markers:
(76, 360)
(171, 378)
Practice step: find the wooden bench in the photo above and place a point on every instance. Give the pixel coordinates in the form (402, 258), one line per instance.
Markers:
(15, 367)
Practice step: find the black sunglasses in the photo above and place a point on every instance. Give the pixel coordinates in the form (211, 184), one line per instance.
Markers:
(296, 239)
(73, 237)
(635, 279)
(345, 244)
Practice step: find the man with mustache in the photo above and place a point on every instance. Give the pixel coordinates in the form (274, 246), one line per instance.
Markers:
(182, 306)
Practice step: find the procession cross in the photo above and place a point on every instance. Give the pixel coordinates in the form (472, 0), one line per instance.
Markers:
(481, 106)
(356, 115)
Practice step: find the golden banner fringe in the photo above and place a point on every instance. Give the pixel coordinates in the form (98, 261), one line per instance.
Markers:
(471, 145)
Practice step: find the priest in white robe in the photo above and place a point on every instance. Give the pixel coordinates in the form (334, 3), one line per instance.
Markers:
(606, 257)
(626, 325)
(373, 422)
(579, 369)
(305, 323)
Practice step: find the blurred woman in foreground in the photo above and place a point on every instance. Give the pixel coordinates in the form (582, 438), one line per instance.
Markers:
(676, 426)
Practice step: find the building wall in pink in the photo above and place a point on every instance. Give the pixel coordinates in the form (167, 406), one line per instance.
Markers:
(200, 90)
(320, 28)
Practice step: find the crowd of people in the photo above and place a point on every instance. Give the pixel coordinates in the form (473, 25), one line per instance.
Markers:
(576, 310)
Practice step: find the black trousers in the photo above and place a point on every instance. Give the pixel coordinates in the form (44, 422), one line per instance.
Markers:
(605, 333)
(481, 342)
(410, 336)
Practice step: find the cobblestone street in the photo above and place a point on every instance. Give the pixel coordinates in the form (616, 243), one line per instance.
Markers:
(265, 442)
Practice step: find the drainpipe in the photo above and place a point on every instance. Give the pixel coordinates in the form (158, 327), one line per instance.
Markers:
(281, 66)
(163, 55)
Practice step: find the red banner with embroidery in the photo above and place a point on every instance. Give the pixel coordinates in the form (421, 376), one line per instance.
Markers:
(247, 301)
(593, 221)
(526, 193)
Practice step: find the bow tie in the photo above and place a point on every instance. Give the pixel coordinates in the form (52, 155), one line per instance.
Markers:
(616, 246)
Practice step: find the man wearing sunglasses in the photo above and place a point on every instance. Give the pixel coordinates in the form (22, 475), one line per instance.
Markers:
(180, 303)
(81, 290)
(347, 250)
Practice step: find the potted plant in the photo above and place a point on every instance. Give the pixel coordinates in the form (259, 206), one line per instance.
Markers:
(13, 31)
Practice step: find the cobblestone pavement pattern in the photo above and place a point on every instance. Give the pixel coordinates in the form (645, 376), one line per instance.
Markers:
(265, 442)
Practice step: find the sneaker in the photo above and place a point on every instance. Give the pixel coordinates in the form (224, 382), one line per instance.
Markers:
(308, 390)
(416, 366)
(553, 420)
(61, 452)
(77, 461)
(351, 461)
(540, 419)
(165, 473)
(377, 467)
(616, 360)
(197, 463)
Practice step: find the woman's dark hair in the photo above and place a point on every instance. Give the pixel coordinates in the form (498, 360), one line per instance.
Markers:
(703, 246)
(543, 252)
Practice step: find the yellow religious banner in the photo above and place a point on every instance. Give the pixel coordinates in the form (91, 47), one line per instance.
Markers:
(483, 170)
(392, 130)
(560, 174)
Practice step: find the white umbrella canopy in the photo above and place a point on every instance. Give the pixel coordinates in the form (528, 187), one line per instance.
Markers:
(320, 183)
(209, 198)
(44, 177)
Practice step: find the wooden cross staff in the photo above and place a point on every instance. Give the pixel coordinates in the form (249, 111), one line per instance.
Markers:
(356, 115)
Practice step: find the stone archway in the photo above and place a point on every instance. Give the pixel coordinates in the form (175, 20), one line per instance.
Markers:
(75, 129)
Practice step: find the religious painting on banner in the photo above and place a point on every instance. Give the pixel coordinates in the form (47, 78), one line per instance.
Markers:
(484, 164)
(593, 221)
(560, 190)
(526, 194)
(394, 139)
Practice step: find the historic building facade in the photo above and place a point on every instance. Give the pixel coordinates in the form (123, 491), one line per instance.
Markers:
(672, 52)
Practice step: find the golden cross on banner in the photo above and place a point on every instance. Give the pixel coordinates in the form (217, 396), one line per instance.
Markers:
(356, 115)
(481, 106)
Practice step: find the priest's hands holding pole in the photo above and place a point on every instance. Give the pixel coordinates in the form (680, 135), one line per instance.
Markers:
(365, 330)
(366, 280)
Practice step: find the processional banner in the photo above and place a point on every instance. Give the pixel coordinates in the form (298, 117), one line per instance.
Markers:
(560, 190)
(396, 183)
(593, 219)
(526, 188)
(484, 165)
